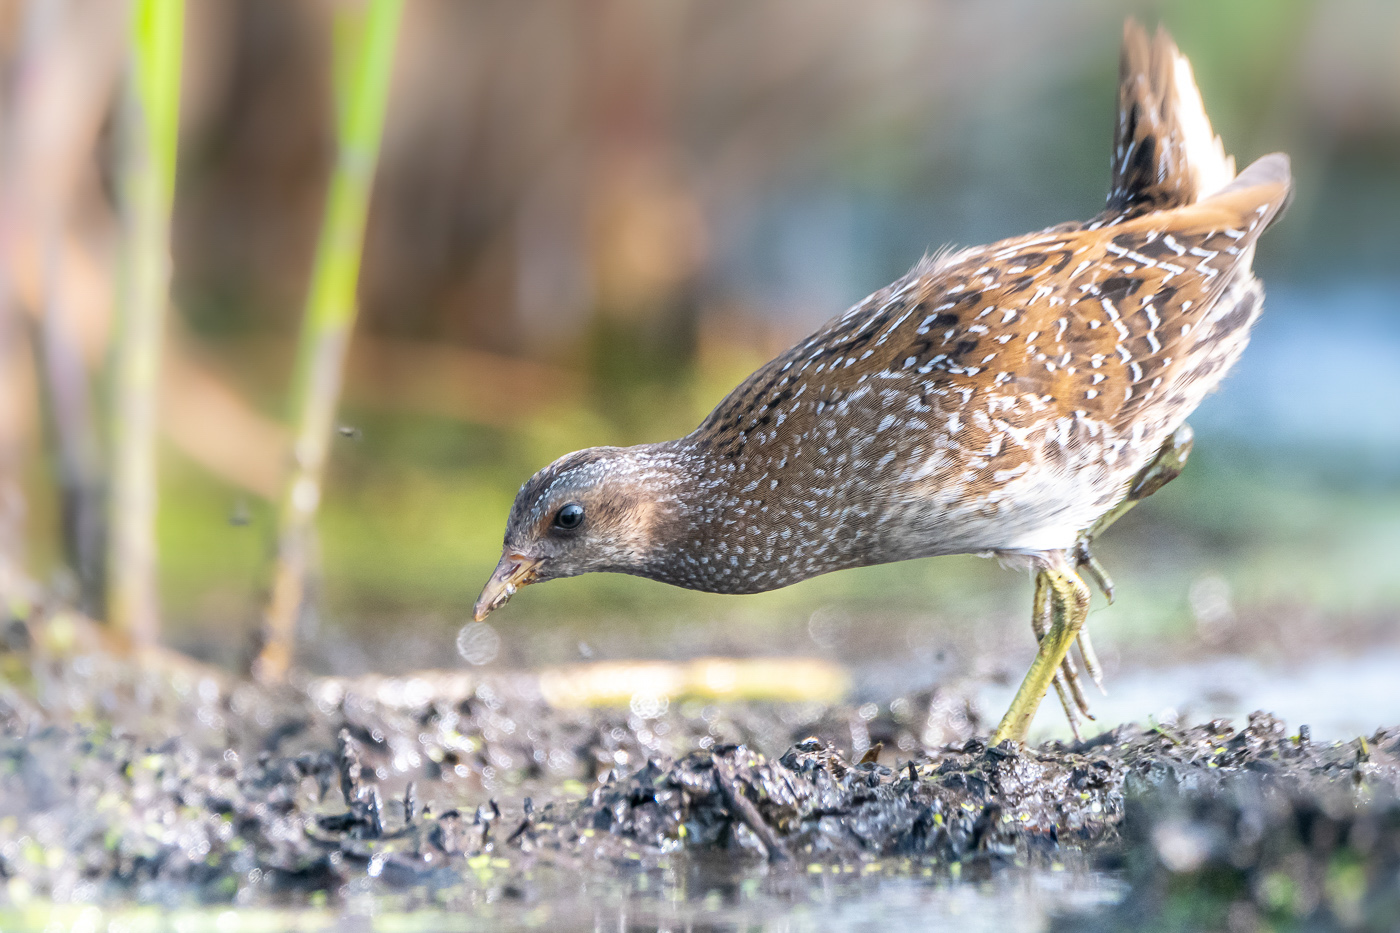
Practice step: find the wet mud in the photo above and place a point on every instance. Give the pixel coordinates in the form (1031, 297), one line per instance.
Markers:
(158, 780)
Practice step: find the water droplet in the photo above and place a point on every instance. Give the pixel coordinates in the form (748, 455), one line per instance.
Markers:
(478, 643)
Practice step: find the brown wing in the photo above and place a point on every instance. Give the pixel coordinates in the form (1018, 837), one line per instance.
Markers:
(1146, 318)
(987, 344)
(1001, 397)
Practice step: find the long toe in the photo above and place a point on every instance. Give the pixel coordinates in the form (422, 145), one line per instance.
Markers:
(1086, 562)
(1070, 673)
(1091, 659)
(1070, 707)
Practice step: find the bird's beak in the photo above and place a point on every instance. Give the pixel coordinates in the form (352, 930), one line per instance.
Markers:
(513, 572)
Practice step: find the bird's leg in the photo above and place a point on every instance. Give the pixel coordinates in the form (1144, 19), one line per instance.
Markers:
(1067, 677)
(1069, 605)
(1164, 467)
(1040, 624)
(1085, 562)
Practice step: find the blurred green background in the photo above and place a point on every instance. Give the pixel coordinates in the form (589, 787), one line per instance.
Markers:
(592, 219)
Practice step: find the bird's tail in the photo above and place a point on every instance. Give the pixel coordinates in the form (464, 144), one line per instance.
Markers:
(1165, 153)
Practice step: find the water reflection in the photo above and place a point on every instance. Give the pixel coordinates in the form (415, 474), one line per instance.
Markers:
(717, 895)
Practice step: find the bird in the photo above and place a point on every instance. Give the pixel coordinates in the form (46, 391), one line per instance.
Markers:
(1008, 400)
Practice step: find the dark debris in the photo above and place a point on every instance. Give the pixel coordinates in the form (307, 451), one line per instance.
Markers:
(187, 785)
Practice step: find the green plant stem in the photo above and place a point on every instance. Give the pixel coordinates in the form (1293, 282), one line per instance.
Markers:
(364, 52)
(148, 189)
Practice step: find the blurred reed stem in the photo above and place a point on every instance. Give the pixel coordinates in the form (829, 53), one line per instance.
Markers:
(75, 442)
(365, 35)
(150, 131)
(68, 64)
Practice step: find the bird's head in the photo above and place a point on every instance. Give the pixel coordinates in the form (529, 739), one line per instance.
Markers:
(600, 509)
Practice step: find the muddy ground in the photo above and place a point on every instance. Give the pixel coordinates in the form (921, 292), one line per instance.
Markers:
(152, 779)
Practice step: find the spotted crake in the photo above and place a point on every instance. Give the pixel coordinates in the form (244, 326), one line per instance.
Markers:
(1001, 400)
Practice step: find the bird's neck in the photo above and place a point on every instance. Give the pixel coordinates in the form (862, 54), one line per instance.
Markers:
(706, 530)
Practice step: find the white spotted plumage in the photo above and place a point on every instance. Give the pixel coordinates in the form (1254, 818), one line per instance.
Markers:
(997, 399)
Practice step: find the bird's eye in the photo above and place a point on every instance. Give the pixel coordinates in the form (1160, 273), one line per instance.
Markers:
(569, 517)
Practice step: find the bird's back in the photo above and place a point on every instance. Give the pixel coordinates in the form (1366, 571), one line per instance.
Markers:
(1000, 398)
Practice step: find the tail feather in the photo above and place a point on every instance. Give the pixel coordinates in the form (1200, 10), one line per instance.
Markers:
(1165, 153)
(1263, 190)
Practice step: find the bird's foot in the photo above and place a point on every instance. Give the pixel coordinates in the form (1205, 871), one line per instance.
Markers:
(1088, 566)
(1163, 468)
(1068, 686)
(1061, 604)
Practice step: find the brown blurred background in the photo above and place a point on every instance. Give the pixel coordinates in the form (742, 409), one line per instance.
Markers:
(592, 218)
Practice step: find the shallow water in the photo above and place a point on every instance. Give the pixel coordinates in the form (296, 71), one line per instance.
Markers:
(694, 896)
(783, 902)
(1338, 696)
